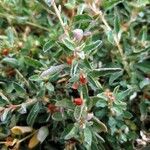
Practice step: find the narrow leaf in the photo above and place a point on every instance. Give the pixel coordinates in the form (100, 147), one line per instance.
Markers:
(42, 133)
(33, 113)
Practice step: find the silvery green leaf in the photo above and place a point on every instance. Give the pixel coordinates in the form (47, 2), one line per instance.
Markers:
(110, 36)
(5, 114)
(48, 2)
(42, 133)
(58, 116)
(23, 109)
(10, 61)
(33, 113)
(4, 97)
(78, 112)
(10, 35)
(133, 96)
(81, 54)
(52, 70)
(65, 103)
(48, 45)
(144, 83)
(88, 136)
(92, 46)
(72, 133)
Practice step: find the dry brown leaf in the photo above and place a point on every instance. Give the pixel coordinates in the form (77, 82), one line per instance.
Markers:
(11, 142)
(19, 130)
(33, 141)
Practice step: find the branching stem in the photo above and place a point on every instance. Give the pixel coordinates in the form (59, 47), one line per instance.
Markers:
(59, 17)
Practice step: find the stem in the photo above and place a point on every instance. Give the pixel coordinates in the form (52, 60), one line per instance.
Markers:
(8, 16)
(124, 58)
(28, 136)
(18, 72)
(4, 97)
(28, 103)
(126, 67)
(38, 26)
(59, 17)
(107, 69)
(104, 21)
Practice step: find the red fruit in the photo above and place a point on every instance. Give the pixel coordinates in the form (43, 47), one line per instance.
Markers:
(69, 60)
(5, 52)
(78, 101)
(52, 108)
(83, 79)
(10, 72)
(75, 85)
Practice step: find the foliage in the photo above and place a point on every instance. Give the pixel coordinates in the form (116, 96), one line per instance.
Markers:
(74, 74)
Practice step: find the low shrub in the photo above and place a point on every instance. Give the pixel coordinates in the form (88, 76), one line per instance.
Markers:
(75, 74)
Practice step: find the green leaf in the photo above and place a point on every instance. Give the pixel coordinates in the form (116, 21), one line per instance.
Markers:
(142, 3)
(35, 78)
(110, 36)
(66, 103)
(2, 102)
(33, 113)
(88, 137)
(112, 122)
(144, 66)
(48, 45)
(110, 4)
(19, 89)
(143, 110)
(72, 133)
(74, 69)
(117, 24)
(5, 115)
(87, 64)
(127, 115)
(101, 103)
(143, 34)
(10, 61)
(82, 17)
(144, 83)
(42, 133)
(118, 109)
(41, 92)
(58, 116)
(94, 45)
(99, 137)
(48, 2)
(98, 126)
(64, 47)
(94, 83)
(70, 4)
(50, 87)
(69, 44)
(122, 95)
(32, 62)
(52, 70)
(102, 96)
(77, 112)
(10, 35)
(114, 77)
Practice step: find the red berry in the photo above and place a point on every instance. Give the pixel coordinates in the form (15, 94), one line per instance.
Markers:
(5, 52)
(75, 85)
(78, 101)
(10, 72)
(52, 108)
(69, 60)
(83, 79)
